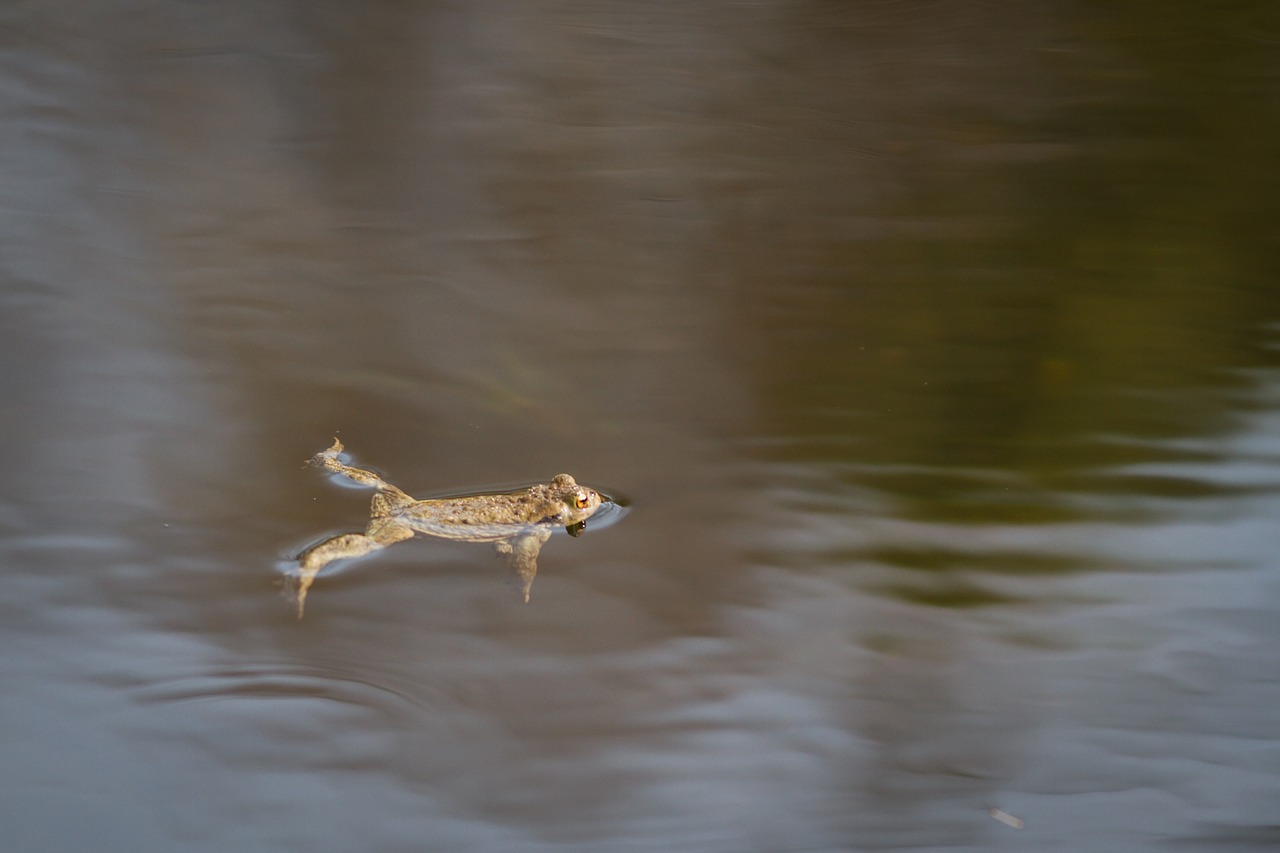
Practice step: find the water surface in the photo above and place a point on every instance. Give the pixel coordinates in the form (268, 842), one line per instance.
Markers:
(935, 347)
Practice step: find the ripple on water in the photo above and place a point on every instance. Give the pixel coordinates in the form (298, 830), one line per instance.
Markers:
(274, 682)
(275, 716)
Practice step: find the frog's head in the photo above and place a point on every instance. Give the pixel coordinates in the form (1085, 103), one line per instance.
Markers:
(578, 502)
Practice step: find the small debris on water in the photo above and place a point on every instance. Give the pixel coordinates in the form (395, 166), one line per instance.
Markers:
(1006, 818)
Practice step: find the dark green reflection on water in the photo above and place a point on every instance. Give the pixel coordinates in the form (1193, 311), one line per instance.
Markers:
(1097, 268)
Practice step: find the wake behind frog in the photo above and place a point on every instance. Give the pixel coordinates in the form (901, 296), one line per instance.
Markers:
(517, 524)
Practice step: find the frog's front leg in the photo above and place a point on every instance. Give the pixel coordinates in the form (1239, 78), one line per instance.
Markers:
(522, 552)
(382, 531)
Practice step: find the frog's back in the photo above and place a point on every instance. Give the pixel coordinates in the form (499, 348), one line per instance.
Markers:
(480, 518)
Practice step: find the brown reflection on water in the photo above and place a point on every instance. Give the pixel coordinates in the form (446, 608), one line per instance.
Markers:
(933, 344)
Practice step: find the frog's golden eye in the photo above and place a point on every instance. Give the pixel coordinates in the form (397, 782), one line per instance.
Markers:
(582, 501)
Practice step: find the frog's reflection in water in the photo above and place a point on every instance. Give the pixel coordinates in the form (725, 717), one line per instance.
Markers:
(517, 524)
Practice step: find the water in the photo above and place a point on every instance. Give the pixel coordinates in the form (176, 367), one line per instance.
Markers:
(934, 346)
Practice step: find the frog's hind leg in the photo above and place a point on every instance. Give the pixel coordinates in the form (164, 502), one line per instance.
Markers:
(383, 530)
(380, 533)
(388, 498)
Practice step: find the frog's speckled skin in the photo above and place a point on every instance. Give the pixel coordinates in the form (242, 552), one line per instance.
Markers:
(517, 523)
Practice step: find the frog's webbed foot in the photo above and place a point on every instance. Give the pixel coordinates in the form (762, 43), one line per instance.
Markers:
(332, 452)
(329, 462)
(522, 553)
(379, 535)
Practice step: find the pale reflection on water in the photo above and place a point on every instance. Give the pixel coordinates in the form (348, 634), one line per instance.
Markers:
(935, 353)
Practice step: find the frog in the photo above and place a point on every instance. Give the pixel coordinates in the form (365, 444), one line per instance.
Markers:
(517, 524)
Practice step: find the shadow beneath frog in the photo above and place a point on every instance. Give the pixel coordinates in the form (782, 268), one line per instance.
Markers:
(517, 524)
